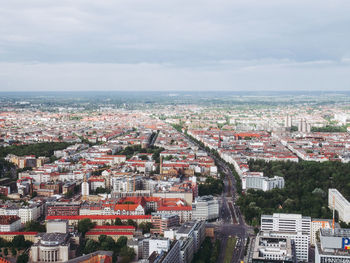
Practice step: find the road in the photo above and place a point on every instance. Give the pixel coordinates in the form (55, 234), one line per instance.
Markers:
(231, 222)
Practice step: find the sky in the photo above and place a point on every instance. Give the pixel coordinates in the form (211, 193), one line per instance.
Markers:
(76, 45)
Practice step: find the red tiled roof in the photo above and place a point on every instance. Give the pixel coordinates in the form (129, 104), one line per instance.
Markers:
(96, 217)
(18, 233)
(174, 208)
(116, 233)
(113, 227)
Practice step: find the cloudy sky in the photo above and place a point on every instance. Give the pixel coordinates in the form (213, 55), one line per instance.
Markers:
(174, 45)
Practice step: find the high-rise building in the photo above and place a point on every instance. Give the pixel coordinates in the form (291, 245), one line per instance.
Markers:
(288, 122)
(294, 226)
(205, 208)
(286, 223)
(85, 187)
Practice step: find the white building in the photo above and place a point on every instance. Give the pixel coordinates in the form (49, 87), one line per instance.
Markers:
(96, 182)
(29, 213)
(295, 226)
(158, 245)
(85, 188)
(318, 224)
(273, 249)
(205, 208)
(26, 214)
(341, 205)
(194, 229)
(10, 223)
(259, 182)
(53, 246)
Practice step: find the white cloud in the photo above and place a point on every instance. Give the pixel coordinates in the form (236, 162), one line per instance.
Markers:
(177, 44)
(143, 76)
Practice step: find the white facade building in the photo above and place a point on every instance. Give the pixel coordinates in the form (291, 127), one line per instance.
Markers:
(318, 224)
(85, 188)
(158, 245)
(340, 204)
(10, 223)
(273, 249)
(29, 213)
(205, 208)
(295, 226)
(260, 182)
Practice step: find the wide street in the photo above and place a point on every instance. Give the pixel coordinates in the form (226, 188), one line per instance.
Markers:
(231, 222)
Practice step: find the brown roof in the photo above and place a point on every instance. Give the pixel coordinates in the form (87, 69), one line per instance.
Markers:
(7, 220)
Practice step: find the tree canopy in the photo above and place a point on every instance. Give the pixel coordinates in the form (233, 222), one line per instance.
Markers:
(38, 149)
(211, 186)
(305, 192)
(85, 225)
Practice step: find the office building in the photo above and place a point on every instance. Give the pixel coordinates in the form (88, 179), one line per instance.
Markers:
(268, 248)
(294, 226)
(333, 246)
(317, 224)
(205, 208)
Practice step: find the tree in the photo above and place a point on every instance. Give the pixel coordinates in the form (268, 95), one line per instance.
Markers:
(91, 246)
(23, 258)
(13, 251)
(6, 252)
(146, 227)
(69, 194)
(3, 243)
(107, 244)
(118, 222)
(85, 225)
(102, 190)
(131, 222)
(121, 242)
(34, 226)
(19, 242)
(127, 254)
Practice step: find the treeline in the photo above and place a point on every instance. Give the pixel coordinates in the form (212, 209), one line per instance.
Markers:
(17, 244)
(38, 149)
(305, 191)
(7, 169)
(118, 247)
(329, 128)
(208, 252)
(34, 226)
(129, 151)
(105, 243)
(211, 186)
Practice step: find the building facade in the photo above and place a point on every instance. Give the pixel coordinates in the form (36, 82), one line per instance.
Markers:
(295, 226)
(337, 201)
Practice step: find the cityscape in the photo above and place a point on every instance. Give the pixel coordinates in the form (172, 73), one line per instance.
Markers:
(152, 131)
(264, 180)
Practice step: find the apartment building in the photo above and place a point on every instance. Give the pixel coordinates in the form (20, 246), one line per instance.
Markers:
(10, 223)
(338, 202)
